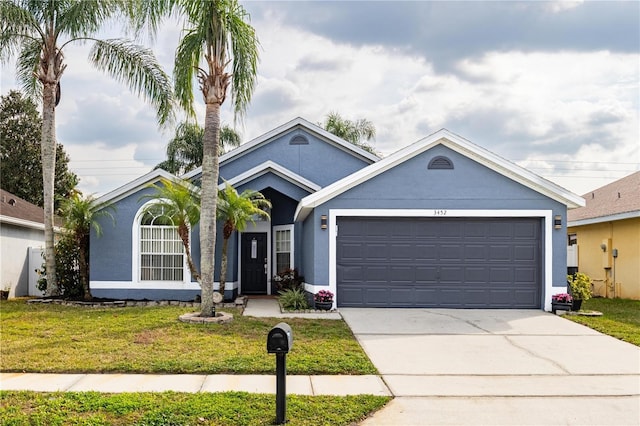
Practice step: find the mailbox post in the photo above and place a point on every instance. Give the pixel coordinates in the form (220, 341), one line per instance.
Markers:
(279, 342)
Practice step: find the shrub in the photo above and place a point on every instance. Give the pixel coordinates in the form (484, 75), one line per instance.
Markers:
(293, 299)
(67, 270)
(288, 280)
(580, 286)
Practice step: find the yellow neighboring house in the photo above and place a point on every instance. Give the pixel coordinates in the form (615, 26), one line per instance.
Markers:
(606, 232)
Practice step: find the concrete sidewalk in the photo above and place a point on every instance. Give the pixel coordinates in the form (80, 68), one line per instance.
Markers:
(192, 383)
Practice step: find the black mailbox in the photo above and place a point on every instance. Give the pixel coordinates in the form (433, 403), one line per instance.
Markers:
(280, 339)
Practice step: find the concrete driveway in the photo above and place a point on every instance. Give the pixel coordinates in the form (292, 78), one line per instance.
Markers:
(448, 366)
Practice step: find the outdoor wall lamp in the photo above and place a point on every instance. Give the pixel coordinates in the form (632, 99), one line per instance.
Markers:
(323, 221)
(557, 222)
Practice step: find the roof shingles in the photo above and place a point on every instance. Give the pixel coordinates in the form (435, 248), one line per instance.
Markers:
(621, 196)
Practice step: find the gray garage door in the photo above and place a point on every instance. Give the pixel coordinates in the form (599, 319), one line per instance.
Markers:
(439, 262)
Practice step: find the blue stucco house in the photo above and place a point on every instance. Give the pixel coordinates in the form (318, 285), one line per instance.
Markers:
(440, 223)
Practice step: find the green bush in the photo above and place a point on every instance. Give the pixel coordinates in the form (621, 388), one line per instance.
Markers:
(67, 270)
(580, 286)
(293, 299)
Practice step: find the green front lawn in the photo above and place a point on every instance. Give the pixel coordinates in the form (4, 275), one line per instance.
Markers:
(620, 318)
(64, 339)
(171, 408)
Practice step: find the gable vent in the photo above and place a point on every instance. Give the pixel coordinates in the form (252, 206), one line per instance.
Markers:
(440, 163)
(298, 140)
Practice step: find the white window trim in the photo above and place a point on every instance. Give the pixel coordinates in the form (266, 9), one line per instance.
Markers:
(136, 282)
(291, 245)
(547, 215)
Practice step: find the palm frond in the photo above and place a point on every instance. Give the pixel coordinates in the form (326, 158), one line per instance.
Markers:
(244, 47)
(187, 59)
(17, 26)
(84, 18)
(137, 67)
(26, 67)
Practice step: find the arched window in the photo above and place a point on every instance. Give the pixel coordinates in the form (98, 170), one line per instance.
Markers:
(161, 255)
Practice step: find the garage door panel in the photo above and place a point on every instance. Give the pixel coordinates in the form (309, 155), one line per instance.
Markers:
(439, 262)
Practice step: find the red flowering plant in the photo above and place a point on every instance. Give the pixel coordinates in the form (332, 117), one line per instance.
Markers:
(562, 298)
(323, 296)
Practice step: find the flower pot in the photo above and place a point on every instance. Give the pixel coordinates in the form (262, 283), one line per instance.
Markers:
(577, 304)
(561, 306)
(324, 306)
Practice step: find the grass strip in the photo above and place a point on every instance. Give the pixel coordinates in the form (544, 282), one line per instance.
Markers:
(172, 408)
(620, 318)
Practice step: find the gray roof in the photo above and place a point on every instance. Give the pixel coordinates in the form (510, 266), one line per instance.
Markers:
(617, 200)
(12, 206)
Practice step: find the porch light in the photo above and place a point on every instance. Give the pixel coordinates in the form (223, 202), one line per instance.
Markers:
(557, 222)
(323, 221)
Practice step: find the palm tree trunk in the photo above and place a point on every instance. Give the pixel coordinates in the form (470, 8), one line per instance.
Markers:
(48, 153)
(208, 203)
(83, 259)
(223, 266)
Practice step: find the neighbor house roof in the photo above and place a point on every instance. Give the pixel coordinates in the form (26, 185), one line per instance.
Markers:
(287, 127)
(456, 143)
(16, 211)
(615, 201)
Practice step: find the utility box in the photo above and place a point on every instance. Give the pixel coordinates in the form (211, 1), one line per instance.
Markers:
(280, 339)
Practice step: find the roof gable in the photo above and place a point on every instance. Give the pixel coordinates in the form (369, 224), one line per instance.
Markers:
(276, 169)
(456, 143)
(617, 200)
(296, 123)
(134, 186)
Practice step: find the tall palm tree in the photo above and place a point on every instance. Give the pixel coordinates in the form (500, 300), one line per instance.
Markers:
(80, 214)
(218, 34)
(36, 33)
(236, 211)
(179, 201)
(356, 132)
(184, 150)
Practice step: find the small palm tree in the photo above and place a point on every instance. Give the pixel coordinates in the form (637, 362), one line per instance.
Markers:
(356, 132)
(219, 35)
(80, 215)
(179, 201)
(36, 33)
(184, 150)
(236, 211)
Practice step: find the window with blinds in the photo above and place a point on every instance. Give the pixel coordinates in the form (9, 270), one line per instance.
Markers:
(283, 250)
(161, 249)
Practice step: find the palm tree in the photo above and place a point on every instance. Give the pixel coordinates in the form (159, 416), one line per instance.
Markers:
(235, 211)
(184, 151)
(356, 132)
(36, 33)
(218, 33)
(80, 215)
(179, 201)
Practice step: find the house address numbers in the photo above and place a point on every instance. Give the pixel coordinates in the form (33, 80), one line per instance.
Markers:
(439, 212)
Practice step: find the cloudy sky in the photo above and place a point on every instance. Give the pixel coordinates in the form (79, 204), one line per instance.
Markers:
(552, 86)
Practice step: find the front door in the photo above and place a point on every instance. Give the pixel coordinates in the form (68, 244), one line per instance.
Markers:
(254, 263)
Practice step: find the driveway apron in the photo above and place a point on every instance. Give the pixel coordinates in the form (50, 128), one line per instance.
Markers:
(450, 366)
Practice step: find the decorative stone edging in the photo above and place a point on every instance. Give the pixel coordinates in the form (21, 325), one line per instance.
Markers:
(240, 302)
(306, 311)
(195, 318)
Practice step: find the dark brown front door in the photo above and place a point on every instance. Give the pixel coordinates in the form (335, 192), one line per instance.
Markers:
(254, 261)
